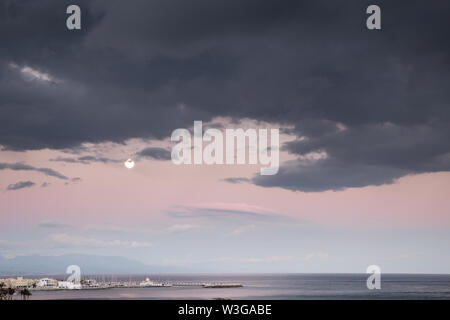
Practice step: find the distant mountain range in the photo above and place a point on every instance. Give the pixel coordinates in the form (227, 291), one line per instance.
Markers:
(89, 264)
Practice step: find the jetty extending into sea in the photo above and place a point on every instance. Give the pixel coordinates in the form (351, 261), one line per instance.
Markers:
(94, 285)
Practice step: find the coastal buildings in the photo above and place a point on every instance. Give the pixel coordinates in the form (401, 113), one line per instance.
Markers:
(150, 283)
(47, 283)
(44, 283)
(90, 284)
(19, 282)
(68, 285)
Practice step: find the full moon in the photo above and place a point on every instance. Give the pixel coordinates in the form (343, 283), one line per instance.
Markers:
(129, 164)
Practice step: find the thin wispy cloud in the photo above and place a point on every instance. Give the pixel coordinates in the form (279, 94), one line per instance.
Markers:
(237, 180)
(230, 211)
(19, 166)
(7, 244)
(67, 240)
(20, 185)
(85, 160)
(242, 229)
(50, 224)
(33, 74)
(177, 228)
(276, 258)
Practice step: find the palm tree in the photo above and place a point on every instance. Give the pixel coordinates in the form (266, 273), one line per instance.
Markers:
(2, 291)
(10, 292)
(25, 293)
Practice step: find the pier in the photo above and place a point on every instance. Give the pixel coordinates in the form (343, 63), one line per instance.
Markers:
(135, 284)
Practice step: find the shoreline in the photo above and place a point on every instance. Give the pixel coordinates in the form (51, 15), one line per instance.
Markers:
(134, 286)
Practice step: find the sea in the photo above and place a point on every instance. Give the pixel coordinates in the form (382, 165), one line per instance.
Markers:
(268, 286)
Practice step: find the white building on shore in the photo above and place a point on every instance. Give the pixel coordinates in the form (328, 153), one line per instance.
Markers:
(68, 285)
(47, 283)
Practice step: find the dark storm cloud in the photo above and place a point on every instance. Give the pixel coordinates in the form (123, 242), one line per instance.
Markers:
(329, 175)
(155, 153)
(376, 102)
(362, 155)
(25, 167)
(20, 185)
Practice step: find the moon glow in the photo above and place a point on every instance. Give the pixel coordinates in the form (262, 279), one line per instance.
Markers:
(129, 164)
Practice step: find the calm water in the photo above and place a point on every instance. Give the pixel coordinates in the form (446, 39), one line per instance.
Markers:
(274, 286)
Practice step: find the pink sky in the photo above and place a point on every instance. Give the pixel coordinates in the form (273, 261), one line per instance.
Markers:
(113, 194)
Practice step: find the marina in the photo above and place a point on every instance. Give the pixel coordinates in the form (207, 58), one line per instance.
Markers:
(54, 285)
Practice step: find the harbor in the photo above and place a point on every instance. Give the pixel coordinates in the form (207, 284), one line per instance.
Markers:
(49, 284)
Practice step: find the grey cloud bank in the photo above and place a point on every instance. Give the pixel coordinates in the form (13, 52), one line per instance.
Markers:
(375, 101)
(155, 153)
